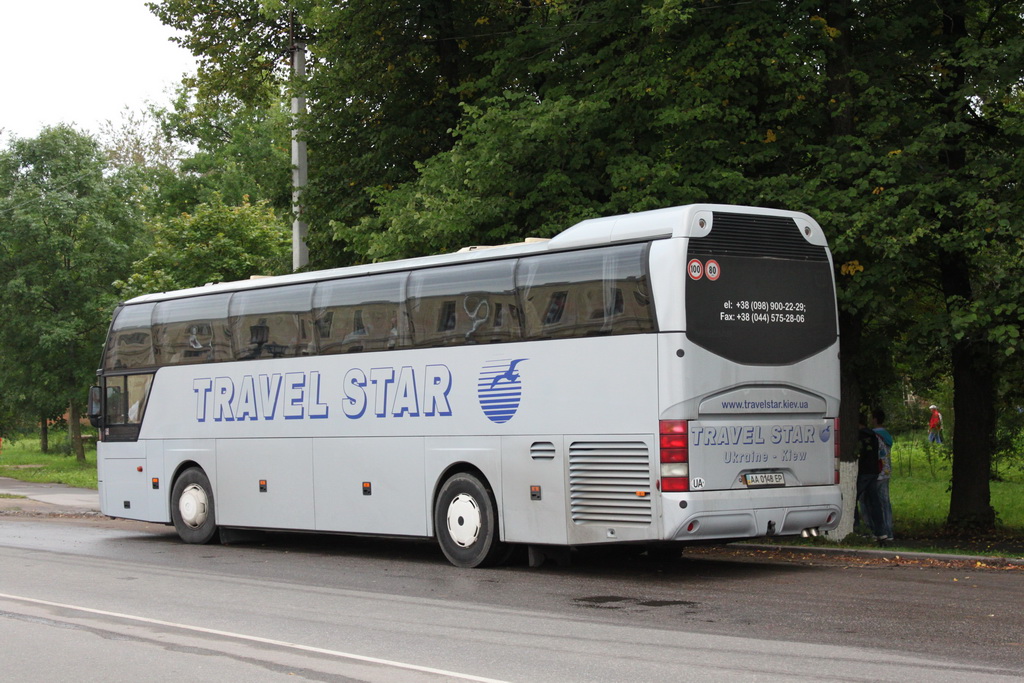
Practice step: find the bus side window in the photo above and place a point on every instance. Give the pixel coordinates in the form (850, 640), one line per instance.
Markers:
(130, 343)
(576, 294)
(628, 307)
(360, 314)
(184, 342)
(271, 323)
(138, 396)
(115, 401)
(462, 304)
(192, 330)
(126, 399)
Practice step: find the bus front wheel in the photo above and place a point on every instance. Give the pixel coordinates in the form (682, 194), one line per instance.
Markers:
(192, 508)
(466, 522)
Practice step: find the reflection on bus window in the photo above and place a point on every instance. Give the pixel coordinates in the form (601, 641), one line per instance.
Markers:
(359, 314)
(558, 295)
(130, 343)
(192, 330)
(452, 306)
(272, 323)
(593, 292)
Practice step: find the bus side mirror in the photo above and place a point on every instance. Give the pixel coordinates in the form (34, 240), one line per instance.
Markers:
(96, 406)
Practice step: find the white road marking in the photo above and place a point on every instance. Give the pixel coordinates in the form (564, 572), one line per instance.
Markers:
(257, 639)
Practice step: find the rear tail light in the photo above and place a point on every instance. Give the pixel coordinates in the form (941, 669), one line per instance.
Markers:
(675, 456)
(836, 451)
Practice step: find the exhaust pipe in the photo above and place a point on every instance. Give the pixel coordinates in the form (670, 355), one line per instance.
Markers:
(810, 532)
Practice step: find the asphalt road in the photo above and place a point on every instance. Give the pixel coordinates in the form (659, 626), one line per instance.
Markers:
(97, 599)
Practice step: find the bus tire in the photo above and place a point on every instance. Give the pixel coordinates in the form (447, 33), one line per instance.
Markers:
(466, 523)
(192, 507)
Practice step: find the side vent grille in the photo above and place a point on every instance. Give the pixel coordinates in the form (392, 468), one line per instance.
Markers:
(610, 482)
(542, 450)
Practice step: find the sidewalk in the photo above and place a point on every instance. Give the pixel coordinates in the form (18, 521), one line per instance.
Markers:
(57, 495)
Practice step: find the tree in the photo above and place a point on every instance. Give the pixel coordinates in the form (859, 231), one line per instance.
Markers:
(384, 94)
(241, 45)
(67, 230)
(945, 205)
(231, 148)
(216, 243)
(135, 141)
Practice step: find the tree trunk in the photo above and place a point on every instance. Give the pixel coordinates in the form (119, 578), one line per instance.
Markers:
(974, 409)
(973, 385)
(44, 435)
(973, 438)
(75, 432)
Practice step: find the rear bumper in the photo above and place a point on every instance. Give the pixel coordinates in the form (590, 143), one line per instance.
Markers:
(708, 515)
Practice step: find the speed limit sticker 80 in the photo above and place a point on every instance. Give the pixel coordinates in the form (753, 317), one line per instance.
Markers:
(696, 269)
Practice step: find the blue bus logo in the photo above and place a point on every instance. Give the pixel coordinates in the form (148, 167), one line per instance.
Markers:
(499, 389)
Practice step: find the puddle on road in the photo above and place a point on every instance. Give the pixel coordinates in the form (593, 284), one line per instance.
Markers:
(617, 602)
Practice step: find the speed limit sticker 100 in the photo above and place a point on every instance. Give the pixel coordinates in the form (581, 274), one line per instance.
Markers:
(697, 270)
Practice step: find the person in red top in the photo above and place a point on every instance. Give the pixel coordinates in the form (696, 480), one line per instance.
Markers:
(935, 425)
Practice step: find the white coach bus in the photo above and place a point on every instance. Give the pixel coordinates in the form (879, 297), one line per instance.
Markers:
(655, 378)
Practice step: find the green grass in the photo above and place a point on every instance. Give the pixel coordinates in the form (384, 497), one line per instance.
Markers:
(23, 460)
(919, 488)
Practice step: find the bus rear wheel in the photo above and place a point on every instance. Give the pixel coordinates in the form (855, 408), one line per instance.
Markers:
(192, 508)
(466, 523)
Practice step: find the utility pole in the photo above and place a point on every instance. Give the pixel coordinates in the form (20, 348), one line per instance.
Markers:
(300, 252)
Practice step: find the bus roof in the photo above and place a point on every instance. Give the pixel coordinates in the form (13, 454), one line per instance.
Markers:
(677, 221)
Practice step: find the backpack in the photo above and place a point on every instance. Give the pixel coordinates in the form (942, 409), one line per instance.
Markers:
(867, 453)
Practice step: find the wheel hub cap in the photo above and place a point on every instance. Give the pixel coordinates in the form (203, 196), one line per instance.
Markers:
(464, 520)
(194, 506)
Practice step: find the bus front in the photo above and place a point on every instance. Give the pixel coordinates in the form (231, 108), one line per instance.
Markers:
(749, 376)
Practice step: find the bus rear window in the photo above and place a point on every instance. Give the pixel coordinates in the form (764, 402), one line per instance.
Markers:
(758, 293)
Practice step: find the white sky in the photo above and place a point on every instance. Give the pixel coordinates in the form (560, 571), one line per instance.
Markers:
(82, 62)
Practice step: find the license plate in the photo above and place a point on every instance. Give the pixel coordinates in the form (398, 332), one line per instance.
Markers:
(766, 479)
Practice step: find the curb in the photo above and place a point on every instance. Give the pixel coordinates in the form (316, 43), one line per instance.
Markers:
(886, 554)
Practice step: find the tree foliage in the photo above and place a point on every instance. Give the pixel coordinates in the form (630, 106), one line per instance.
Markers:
(240, 45)
(216, 243)
(67, 230)
(136, 142)
(232, 149)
